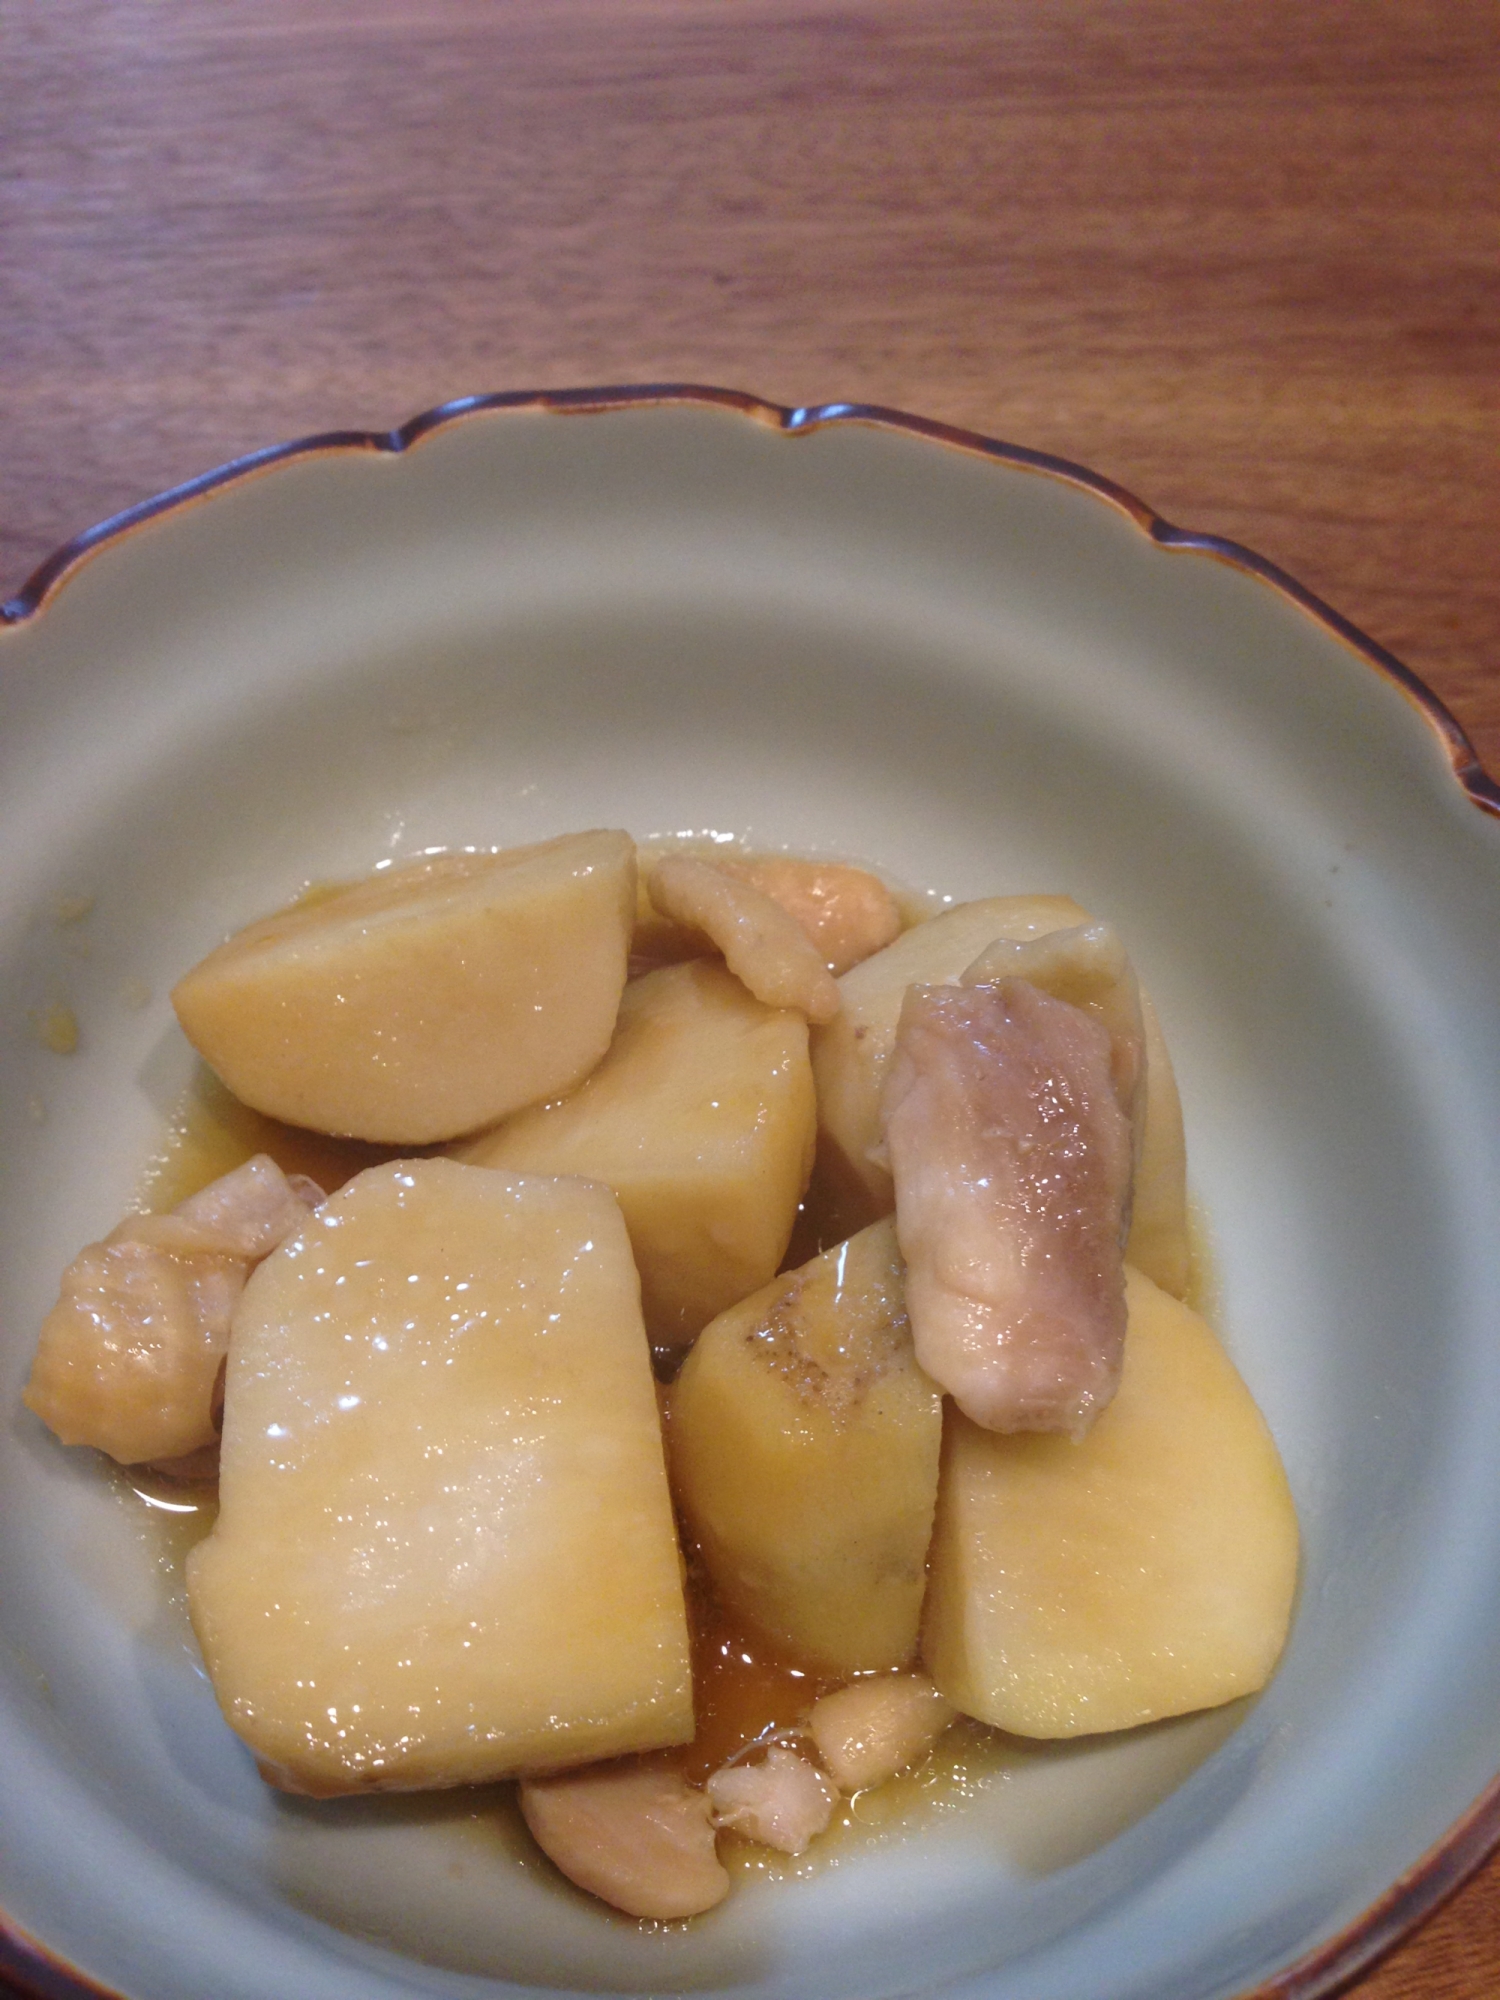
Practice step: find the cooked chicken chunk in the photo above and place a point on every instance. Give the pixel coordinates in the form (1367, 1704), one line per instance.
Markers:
(763, 945)
(1012, 1162)
(634, 1833)
(847, 912)
(253, 1209)
(129, 1354)
(870, 1730)
(129, 1357)
(784, 1801)
(1087, 966)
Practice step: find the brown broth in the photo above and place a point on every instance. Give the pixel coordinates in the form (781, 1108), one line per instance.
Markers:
(211, 1133)
(743, 1690)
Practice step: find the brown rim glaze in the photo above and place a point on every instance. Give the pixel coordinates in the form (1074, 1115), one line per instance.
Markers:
(27, 1967)
(50, 575)
(30, 1972)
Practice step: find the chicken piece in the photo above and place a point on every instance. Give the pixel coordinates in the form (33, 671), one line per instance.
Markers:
(1087, 966)
(633, 1833)
(253, 1209)
(129, 1357)
(784, 1801)
(870, 1730)
(851, 1057)
(1012, 1162)
(847, 912)
(763, 946)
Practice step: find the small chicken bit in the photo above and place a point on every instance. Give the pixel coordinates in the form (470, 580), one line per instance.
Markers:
(633, 1833)
(129, 1358)
(1012, 1161)
(784, 1801)
(764, 947)
(636, 1834)
(870, 1730)
(848, 913)
(253, 1209)
(129, 1354)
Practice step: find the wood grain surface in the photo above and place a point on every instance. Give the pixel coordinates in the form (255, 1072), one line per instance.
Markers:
(1241, 255)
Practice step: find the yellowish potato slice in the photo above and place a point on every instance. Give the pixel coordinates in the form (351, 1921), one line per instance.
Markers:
(425, 1002)
(700, 1119)
(1159, 1242)
(1145, 1571)
(804, 1443)
(445, 1551)
(851, 1058)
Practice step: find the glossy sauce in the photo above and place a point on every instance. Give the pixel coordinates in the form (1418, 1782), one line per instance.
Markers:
(743, 1692)
(181, 1512)
(211, 1133)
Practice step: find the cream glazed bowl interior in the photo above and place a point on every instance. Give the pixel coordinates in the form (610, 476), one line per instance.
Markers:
(837, 632)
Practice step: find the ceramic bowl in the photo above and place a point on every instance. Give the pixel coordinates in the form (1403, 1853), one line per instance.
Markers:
(837, 631)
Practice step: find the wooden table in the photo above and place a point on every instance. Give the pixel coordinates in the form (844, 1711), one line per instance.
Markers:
(1242, 255)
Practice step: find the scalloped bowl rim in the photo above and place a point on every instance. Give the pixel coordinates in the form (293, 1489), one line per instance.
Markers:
(1474, 1836)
